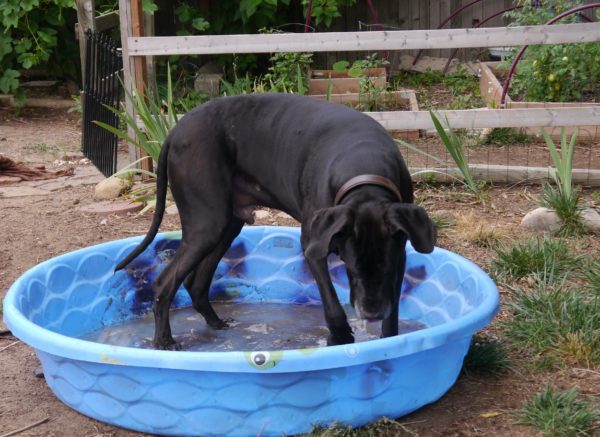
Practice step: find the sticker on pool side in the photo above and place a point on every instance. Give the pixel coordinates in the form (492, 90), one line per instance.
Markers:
(263, 360)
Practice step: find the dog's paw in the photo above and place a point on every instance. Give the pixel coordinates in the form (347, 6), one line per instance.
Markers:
(222, 324)
(334, 340)
(167, 346)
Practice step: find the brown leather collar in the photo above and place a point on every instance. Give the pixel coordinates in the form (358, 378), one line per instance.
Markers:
(366, 179)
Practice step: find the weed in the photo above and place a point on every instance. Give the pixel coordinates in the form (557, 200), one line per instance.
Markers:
(558, 414)
(566, 207)
(486, 357)
(564, 199)
(556, 322)
(381, 428)
(479, 232)
(547, 259)
(506, 136)
(592, 274)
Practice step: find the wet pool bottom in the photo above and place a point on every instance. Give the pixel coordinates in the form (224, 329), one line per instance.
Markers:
(255, 327)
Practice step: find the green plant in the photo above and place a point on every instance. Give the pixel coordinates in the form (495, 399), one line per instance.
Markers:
(556, 322)
(31, 31)
(592, 274)
(382, 427)
(564, 199)
(158, 118)
(454, 145)
(557, 414)
(486, 357)
(289, 72)
(559, 72)
(506, 136)
(547, 258)
(324, 11)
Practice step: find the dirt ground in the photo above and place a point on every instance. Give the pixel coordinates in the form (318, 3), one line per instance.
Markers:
(34, 228)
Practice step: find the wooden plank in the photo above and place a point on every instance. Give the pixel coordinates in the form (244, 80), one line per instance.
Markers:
(107, 21)
(128, 71)
(482, 118)
(361, 41)
(503, 174)
(85, 21)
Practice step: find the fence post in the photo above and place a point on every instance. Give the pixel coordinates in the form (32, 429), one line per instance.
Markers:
(134, 67)
(85, 21)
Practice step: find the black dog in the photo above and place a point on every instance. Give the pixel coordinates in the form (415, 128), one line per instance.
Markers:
(335, 170)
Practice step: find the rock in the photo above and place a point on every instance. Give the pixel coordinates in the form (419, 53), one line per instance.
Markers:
(110, 188)
(591, 220)
(119, 207)
(541, 219)
(172, 210)
(208, 83)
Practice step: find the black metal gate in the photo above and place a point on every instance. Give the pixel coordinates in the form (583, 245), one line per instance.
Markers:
(103, 64)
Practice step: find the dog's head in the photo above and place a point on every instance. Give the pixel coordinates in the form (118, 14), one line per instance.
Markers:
(371, 241)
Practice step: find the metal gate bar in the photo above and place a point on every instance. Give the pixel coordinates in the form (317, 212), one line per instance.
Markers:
(103, 64)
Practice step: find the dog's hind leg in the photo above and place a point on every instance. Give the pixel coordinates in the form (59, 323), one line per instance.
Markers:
(198, 282)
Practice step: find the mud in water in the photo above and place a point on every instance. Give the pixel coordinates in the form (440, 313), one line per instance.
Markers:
(255, 327)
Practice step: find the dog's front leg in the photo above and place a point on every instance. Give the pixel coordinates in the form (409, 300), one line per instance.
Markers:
(335, 317)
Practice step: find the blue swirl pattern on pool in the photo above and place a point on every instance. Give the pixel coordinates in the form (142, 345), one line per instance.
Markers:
(244, 392)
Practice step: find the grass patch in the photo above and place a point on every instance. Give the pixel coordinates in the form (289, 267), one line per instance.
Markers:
(545, 258)
(486, 357)
(382, 428)
(506, 136)
(566, 207)
(558, 414)
(592, 275)
(555, 323)
(476, 231)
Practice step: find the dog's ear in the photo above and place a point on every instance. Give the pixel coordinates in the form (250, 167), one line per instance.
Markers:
(325, 225)
(413, 221)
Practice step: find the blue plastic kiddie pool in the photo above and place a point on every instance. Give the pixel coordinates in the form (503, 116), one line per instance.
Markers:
(248, 392)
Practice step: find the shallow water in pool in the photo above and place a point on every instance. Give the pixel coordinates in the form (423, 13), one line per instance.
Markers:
(255, 327)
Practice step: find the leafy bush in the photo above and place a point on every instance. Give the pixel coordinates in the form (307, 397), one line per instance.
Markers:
(30, 31)
(558, 72)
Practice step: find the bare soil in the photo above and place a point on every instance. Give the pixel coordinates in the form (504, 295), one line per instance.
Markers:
(35, 228)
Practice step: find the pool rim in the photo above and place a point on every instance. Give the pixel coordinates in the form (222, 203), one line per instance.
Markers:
(313, 359)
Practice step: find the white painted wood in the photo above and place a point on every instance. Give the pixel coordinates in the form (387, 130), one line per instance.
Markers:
(503, 174)
(128, 70)
(353, 41)
(482, 118)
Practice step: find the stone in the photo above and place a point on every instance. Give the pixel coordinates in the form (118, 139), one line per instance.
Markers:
(591, 220)
(541, 219)
(208, 83)
(107, 207)
(111, 188)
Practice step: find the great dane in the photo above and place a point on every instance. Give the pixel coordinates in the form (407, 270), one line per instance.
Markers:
(334, 169)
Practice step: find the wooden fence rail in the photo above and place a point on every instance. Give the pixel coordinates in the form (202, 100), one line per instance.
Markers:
(141, 46)
(358, 41)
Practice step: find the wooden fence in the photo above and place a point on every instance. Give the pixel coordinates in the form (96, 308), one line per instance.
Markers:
(136, 47)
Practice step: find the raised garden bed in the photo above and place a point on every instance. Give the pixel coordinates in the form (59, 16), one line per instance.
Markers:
(400, 100)
(341, 83)
(491, 92)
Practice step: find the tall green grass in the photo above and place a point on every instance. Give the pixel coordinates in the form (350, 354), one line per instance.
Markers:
(562, 414)
(555, 322)
(545, 258)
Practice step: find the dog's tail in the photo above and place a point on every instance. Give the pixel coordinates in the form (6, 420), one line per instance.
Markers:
(159, 209)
